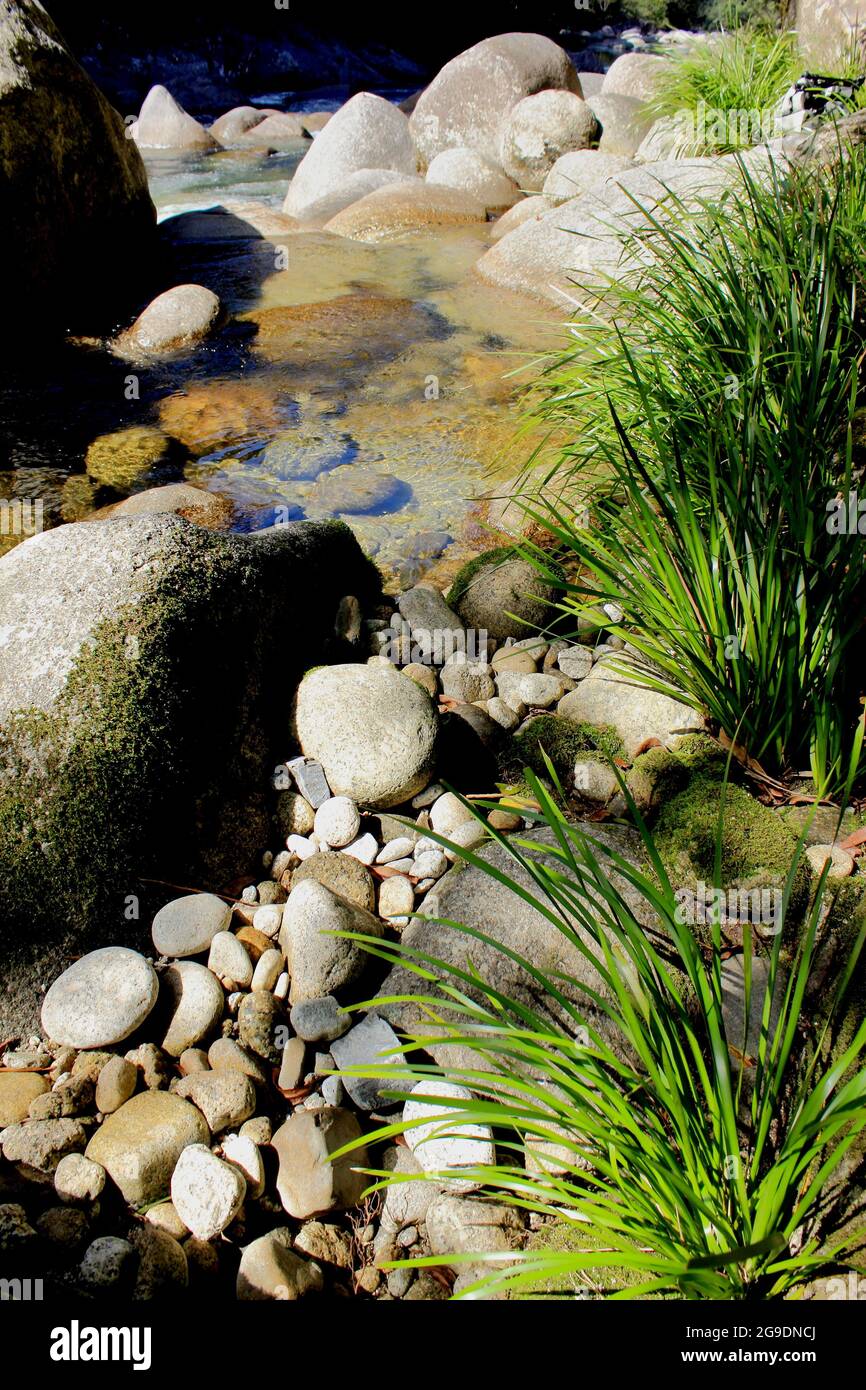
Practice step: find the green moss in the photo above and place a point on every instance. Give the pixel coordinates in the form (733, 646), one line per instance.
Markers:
(572, 1237)
(757, 849)
(704, 755)
(655, 777)
(464, 577)
(563, 740)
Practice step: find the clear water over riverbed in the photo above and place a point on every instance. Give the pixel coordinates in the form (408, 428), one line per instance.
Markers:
(354, 380)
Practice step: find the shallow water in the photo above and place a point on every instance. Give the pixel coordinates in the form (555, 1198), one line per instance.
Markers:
(353, 380)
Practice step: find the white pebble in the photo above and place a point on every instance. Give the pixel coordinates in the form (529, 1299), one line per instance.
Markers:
(281, 988)
(301, 848)
(396, 849)
(403, 866)
(364, 850)
(424, 885)
(447, 813)
(268, 920)
(250, 895)
(207, 1193)
(426, 846)
(228, 959)
(282, 862)
(431, 865)
(267, 859)
(396, 898)
(233, 1001)
(267, 970)
(243, 1154)
(468, 836)
(338, 822)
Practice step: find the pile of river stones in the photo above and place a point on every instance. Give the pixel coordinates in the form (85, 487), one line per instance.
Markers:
(174, 1128)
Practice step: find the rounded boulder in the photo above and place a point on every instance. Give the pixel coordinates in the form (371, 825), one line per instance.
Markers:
(373, 731)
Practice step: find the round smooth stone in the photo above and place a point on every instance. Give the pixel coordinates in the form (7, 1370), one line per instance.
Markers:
(187, 926)
(100, 999)
(198, 1002)
(337, 822)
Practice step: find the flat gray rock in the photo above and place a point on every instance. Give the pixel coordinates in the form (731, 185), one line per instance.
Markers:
(187, 926)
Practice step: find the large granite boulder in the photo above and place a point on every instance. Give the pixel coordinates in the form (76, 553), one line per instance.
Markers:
(146, 673)
(624, 122)
(403, 208)
(475, 899)
(367, 133)
(637, 75)
(587, 240)
(467, 102)
(78, 226)
(539, 130)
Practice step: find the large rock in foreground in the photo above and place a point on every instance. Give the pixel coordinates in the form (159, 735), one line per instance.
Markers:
(609, 697)
(146, 666)
(372, 729)
(367, 133)
(78, 225)
(465, 105)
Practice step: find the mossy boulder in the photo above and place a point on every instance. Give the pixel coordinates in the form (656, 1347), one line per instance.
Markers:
(79, 227)
(146, 675)
(757, 847)
(504, 594)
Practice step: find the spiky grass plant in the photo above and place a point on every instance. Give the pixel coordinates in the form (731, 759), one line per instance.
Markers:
(730, 85)
(703, 1177)
(715, 428)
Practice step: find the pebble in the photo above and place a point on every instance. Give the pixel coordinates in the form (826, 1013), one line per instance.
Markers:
(283, 860)
(295, 815)
(77, 1179)
(17, 1090)
(270, 1269)
(503, 821)
(259, 1130)
(841, 862)
(37, 1146)
(250, 894)
(227, 1055)
(267, 923)
(310, 780)
(427, 797)
(520, 662)
(320, 1020)
(259, 1016)
(152, 1063)
(424, 885)
(469, 836)
(396, 898)
(194, 1059)
(255, 941)
(575, 662)
(108, 1266)
(292, 1065)
(100, 999)
(333, 1092)
(207, 1193)
(268, 970)
(117, 1082)
(369, 1279)
(328, 1245)
(403, 866)
(230, 961)
(16, 1233)
(341, 874)
(281, 988)
(468, 681)
(431, 864)
(399, 1282)
(162, 1265)
(400, 848)
(443, 1140)
(165, 1218)
(447, 813)
(372, 1041)
(364, 849)
(309, 1181)
(407, 1236)
(187, 926)
(502, 713)
(225, 1098)
(321, 957)
(140, 1143)
(243, 1154)
(424, 676)
(337, 822)
(198, 1004)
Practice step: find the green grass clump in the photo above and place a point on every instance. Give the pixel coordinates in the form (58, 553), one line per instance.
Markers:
(702, 1182)
(709, 410)
(729, 86)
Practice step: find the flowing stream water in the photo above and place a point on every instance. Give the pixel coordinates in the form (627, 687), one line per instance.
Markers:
(372, 382)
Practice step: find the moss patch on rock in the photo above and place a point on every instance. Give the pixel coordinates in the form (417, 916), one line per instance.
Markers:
(757, 848)
(563, 741)
(597, 1281)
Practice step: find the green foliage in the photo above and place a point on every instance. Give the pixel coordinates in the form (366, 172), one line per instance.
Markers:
(703, 1177)
(561, 741)
(712, 413)
(746, 72)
